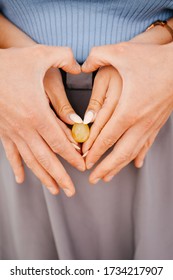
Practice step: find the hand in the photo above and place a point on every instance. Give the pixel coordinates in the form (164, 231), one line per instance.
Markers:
(144, 106)
(26, 118)
(105, 96)
(54, 88)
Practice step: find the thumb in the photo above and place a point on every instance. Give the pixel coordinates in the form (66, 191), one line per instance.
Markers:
(57, 57)
(105, 55)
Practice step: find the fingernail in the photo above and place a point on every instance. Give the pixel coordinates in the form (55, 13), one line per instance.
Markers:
(95, 181)
(17, 178)
(53, 190)
(108, 179)
(88, 117)
(68, 192)
(140, 164)
(81, 168)
(90, 165)
(76, 147)
(85, 154)
(75, 118)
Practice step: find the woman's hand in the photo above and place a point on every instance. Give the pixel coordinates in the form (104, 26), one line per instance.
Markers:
(144, 106)
(26, 118)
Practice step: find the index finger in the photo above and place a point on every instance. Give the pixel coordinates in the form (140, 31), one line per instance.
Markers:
(110, 134)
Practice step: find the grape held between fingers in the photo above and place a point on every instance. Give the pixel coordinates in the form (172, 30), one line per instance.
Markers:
(80, 132)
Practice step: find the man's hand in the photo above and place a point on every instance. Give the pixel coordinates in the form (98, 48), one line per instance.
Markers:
(26, 118)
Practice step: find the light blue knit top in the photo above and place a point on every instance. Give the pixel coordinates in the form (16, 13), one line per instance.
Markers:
(82, 24)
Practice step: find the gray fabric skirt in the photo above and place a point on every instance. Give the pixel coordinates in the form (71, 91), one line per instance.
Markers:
(129, 218)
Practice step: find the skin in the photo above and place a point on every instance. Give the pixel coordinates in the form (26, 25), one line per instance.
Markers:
(145, 103)
(25, 132)
(105, 101)
(107, 89)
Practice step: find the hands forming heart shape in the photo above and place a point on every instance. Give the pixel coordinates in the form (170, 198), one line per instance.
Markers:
(131, 101)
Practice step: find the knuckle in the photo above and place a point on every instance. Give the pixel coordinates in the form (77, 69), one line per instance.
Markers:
(29, 118)
(124, 157)
(148, 123)
(122, 48)
(108, 141)
(96, 127)
(64, 109)
(97, 155)
(18, 127)
(47, 180)
(44, 161)
(95, 103)
(127, 119)
(133, 117)
(40, 124)
(60, 180)
(58, 148)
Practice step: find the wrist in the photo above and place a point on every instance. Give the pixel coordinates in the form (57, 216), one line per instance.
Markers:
(11, 36)
(156, 35)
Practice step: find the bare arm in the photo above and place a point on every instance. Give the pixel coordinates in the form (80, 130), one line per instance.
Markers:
(11, 36)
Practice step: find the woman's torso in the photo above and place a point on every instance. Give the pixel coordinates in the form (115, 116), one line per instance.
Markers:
(82, 24)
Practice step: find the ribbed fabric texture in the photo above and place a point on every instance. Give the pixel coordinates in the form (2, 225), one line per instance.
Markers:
(82, 24)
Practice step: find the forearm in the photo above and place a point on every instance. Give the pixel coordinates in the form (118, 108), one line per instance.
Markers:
(11, 36)
(157, 35)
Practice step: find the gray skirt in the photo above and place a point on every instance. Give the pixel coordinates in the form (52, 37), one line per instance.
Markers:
(129, 218)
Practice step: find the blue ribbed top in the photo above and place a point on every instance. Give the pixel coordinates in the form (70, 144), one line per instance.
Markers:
(82, 24)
